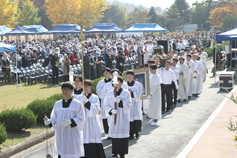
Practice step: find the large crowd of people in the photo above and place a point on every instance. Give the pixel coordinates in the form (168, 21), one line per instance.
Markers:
(99, 53)
(176, 76)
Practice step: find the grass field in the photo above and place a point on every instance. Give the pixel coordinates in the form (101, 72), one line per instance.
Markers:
(9, 98)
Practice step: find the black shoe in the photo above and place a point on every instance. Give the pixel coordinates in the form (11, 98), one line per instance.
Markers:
(163, 112)
(167, 110)
(184, 100)
(179, 100)
(131, 137)
(114, 155)
(137, 135)
(189, 97)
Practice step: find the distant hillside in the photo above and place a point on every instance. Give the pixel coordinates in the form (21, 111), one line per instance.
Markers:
(130, 7)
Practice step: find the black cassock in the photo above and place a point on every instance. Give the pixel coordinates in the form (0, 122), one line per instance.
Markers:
(87, 68)
(120, 63)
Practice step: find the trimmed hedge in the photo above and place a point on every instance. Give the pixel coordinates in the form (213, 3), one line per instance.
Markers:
(3, 134)
(95, 82)
(42, 107)
(17, 120)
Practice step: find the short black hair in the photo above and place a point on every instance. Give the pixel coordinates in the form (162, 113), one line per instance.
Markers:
(79, 77)
(120, 79)
(107, 69)
(145, 65)
(130, 72)
(154, 67)
(175, 59)
(88, 82)
(189, 55)
(67, 85)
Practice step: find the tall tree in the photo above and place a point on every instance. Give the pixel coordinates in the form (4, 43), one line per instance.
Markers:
(199, 14)
(173, 17)
(91, 11)
(82, 12)
(184, 11)
(44, 18)
(115, 14)
(152, 15)
(28, 15)
(218, 14)
(138, 16)
(8, 13)
(229, 22)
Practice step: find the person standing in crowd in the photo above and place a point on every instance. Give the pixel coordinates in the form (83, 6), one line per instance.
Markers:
(6, 68)
(72, 58)
(24, 58)
(197, 69)
(176, 70)
(135, 89)
(120, 61)
(98, 61)
(29, 58)
(91, 132)
(119, 132)
(100, 92)
(87, 65)
(154, 108)
(67, 119)
(55, 65)
(183, 80)
(66, 68)
(108, 60)
(189, 62)
(167, 75)
(146, 55)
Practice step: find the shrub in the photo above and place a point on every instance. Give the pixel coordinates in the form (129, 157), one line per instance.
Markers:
(95, 82)
(17, 120)
(3, 134)
(41, 108)
(55, 97)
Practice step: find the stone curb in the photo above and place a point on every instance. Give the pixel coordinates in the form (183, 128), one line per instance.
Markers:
(27, 144)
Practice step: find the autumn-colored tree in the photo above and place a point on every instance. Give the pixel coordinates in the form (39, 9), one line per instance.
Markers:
(86, 12)
(91, 12)
(8, 13)
(218, 14)
(28, 15)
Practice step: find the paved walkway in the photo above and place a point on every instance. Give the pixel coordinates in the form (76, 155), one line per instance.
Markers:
(217, 141)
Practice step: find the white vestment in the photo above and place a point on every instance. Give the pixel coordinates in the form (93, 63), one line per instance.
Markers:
(135, 110)
(183, 82)
(197, 69)
(92, 131)
(68, 141)
(154, 109)
(122, 127)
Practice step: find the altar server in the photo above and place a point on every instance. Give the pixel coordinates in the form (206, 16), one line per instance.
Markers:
(119, 132)
(154, 108)
(183, 80)
(136, 90)
(99, 90)
(68, 120)
(91, 132)
(78, 90)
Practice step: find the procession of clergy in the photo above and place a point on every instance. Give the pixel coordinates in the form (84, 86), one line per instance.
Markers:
(77, 126)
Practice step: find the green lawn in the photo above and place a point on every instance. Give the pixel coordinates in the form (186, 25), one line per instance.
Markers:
(9, 98)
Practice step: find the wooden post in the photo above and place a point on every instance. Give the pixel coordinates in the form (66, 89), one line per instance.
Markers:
(115, 104)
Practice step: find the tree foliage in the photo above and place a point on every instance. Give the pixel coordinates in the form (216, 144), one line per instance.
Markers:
(199, 14)
(229, 22)
(91, 12)
(115, 14)
(28, 15)
(184, 11)
(173, 17)
(8, 13)
(44, 18)
(138, 16)
(153, 16)
(82, 12)
(218, 14)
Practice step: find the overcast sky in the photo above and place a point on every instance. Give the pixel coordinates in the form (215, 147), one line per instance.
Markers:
(161, 3)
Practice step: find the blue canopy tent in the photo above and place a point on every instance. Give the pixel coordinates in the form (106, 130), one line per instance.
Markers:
(7, 48)
(4, 30)
(104, 28)
(230, 35)
(146, 27)
(25, 31)
(65, 28)
(37, 29)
